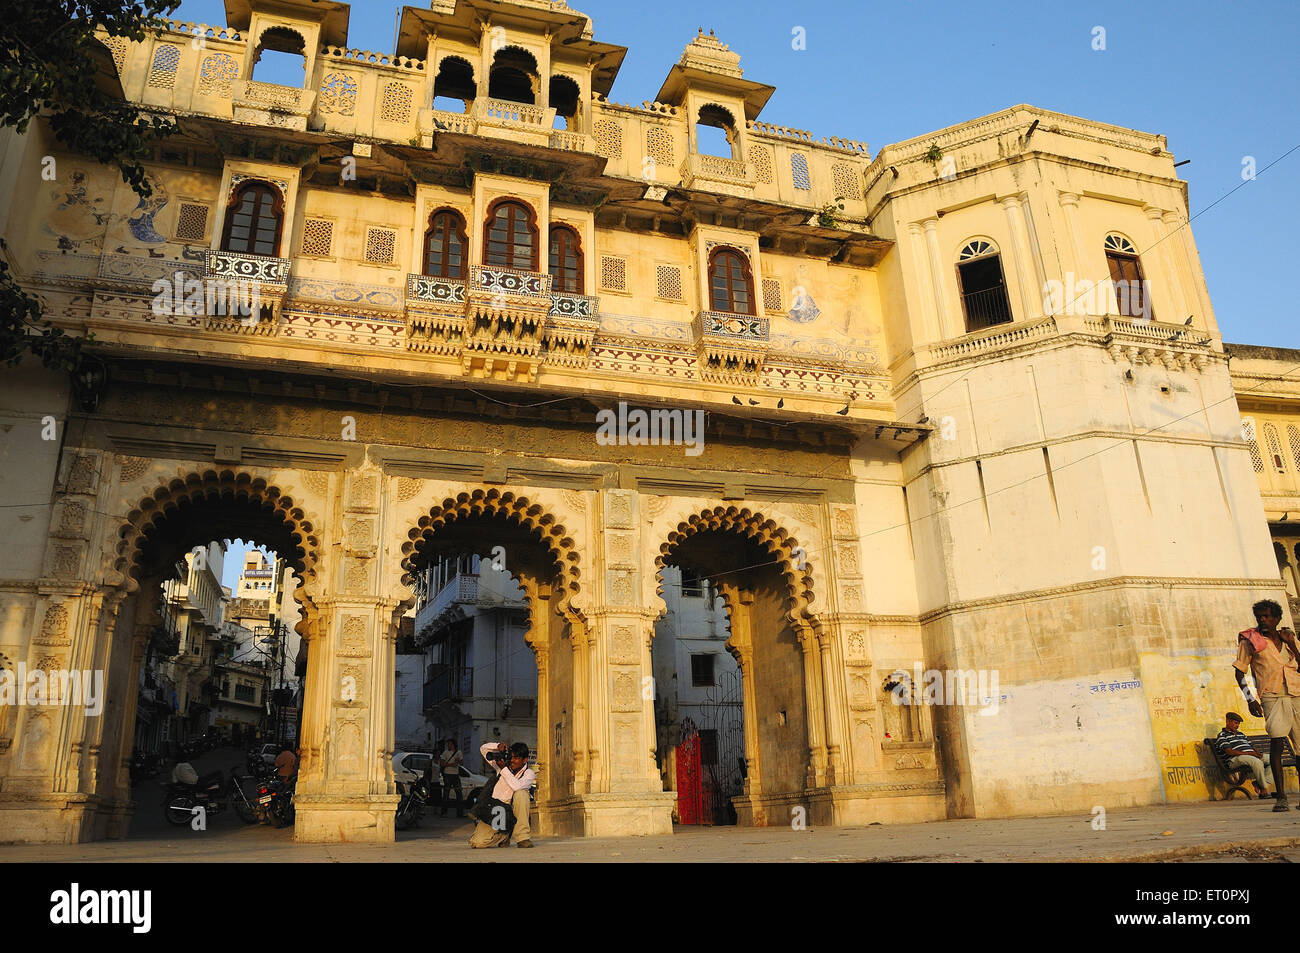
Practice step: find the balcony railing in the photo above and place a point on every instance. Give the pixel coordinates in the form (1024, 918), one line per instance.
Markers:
(500, 110)
(986, 308)
(448, 683)
(731, 348)
(716, 171)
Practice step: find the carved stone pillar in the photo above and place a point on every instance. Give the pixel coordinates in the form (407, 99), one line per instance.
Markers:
(347, 791)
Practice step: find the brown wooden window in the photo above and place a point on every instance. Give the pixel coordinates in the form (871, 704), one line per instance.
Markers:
(254, 220)
(444, 245)
(1130, 289)
(566, 260)
(511, 240)
(731, 286)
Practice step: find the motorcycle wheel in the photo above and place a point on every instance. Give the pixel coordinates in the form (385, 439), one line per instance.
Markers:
(405, 815)
(178, 810)
(246, 812)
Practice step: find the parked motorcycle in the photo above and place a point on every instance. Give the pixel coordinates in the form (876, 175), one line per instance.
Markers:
(214, 794)
(275, 800)
(415, 797)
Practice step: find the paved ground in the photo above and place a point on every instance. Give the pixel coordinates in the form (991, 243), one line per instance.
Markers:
(1235, 831)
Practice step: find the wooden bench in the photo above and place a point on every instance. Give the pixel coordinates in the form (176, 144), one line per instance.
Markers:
(1238, 778)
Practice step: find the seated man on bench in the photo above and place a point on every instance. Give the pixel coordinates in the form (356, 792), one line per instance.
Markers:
(1238, 752)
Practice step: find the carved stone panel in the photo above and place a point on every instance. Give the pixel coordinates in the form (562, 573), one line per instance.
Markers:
(842, 523)
(627, 696)
(72, 519)
(619, 509)
(364, 493)
(622, 645)
(54, 627)
(618, 547)
(361, 536)
(348, 746)
(83, 474)
(355, 641)
(847, 554)
(622, 587)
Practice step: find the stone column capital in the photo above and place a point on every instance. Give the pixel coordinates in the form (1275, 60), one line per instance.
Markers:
(1069, 199)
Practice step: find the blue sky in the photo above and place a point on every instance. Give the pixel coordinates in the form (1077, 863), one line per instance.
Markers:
(1221, 82)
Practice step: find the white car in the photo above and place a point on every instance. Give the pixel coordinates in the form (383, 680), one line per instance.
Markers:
(409, 765)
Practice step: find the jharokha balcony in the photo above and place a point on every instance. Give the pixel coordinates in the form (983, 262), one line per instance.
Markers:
(502, 323)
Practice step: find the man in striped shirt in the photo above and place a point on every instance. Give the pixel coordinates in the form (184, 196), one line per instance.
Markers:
(1238, 752)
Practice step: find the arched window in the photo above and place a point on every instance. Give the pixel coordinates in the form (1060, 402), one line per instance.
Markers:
(514, 76)
(444, 245)
(254, 220)
(1131, 299)
(566, 260)
(280, 57)
(454, 84)
(565, 97)
(511, 239)
(715, 133)
(731, 285)
(983, 292)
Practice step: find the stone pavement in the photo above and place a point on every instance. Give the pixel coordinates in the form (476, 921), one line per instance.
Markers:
(1219, 831)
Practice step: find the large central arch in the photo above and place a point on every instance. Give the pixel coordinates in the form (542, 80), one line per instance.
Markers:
(542, 556)
(766, 580)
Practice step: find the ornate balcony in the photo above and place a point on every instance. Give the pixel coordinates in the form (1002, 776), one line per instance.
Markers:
(731, 347)
(250, 289)
(502, 323)
(506, 322)
(270, 104)
(435, 314)
(717, 174)
(571, 328)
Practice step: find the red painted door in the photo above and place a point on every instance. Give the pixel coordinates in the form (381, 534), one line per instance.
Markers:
(690, 791)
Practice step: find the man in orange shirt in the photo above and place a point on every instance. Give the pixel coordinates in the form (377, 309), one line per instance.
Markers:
(1270, 654)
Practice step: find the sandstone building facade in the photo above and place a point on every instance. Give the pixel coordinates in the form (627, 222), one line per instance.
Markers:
(463, 253)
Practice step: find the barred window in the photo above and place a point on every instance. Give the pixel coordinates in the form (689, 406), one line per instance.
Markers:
(1274, 448)
(395, 105)
(162, 72)
(799, 170)
(609, 138)
(659, 145)
(760, 158)
(668, 283)
(117, 45)
(381, 246)
(1252, 439)
(191, 222)
(772, 294)
(318, 237)
(845, 177)
(1293, 438)
(613, 274)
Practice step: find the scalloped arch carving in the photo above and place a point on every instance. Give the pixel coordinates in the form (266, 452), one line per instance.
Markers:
(763, 531)
(217, 487)
(519, 510)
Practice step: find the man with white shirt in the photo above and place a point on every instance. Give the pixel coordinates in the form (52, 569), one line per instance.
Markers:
(505, 808)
